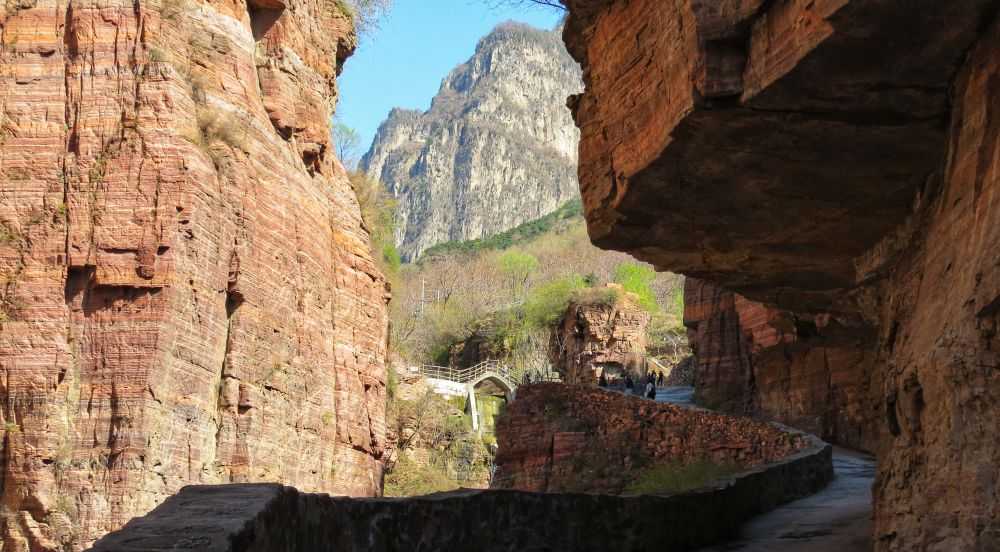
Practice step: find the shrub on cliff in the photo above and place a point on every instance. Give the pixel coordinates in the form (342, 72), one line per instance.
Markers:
(215, 127)
(412, 478)
(546, 303)
(434, 447)
(378, 211)
(365, 14)
(638, 279)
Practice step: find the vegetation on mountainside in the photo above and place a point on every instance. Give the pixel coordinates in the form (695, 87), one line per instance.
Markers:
(515, 236)
(435, 448)
(378, 211)
(513, 295)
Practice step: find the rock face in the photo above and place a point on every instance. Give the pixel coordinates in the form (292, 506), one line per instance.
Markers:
(188, 294)
(496, 149)
(596, 337)
(567, 438)
(810, 173)
(802, 370)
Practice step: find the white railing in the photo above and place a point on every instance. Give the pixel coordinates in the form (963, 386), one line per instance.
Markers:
(493, 368)
(466, 375)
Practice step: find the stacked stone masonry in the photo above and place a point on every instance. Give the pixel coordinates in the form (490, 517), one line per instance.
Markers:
(569, 438)
(187, 293)
(835, 158)
(243, 518)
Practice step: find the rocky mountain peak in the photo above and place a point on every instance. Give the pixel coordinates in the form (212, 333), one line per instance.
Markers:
(497, 147)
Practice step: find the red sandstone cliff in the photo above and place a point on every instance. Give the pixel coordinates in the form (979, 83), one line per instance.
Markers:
(806, 371)
(603, 336)
(187, 290)
(837, 158)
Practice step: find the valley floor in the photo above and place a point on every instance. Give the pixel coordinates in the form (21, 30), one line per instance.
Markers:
(837, 519)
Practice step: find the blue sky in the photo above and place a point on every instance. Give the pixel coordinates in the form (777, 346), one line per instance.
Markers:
(403, 62)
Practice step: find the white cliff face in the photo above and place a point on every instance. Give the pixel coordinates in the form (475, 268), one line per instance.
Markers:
(496, 149)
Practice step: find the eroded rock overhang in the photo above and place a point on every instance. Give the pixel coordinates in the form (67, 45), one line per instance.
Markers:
(765, 146)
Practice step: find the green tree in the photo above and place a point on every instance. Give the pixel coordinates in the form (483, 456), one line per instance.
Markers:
(378, 211)
(347, 140)
(638, 279)
(517, 266)
(547, 303)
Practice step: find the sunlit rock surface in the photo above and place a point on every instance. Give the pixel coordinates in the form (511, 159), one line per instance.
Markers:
(187, 290)
(497, 147)
(598, 337)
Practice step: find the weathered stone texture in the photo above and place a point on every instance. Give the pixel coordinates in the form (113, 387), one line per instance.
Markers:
(570, 438)
(939, 397)
(187, 290)
(826, 181)
(596, 337)
(250, 518)
(496, 149)
(259, 518)
(806, 371)
(759, 180)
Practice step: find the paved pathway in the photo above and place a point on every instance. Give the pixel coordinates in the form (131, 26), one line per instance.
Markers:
(837, 519)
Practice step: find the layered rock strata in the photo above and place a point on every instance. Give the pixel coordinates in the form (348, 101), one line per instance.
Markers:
(564, 438)
(813, 172)
(188, 294)
(802, 370)
(496, 149)
(600, 337)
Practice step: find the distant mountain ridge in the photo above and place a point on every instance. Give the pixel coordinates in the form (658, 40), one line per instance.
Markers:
(496, 149)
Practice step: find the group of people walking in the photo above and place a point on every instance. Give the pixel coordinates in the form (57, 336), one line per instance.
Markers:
(652, 381)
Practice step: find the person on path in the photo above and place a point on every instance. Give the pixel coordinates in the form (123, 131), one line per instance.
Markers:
(603, 380)
(659, 380)
(650, 389)
(629, 384)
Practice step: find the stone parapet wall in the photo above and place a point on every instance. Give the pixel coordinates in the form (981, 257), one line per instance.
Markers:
(565, 438)
(258, 518)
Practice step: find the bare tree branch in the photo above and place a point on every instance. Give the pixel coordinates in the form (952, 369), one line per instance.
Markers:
(554, 4)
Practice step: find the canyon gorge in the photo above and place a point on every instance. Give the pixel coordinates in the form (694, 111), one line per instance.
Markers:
(187, 292)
